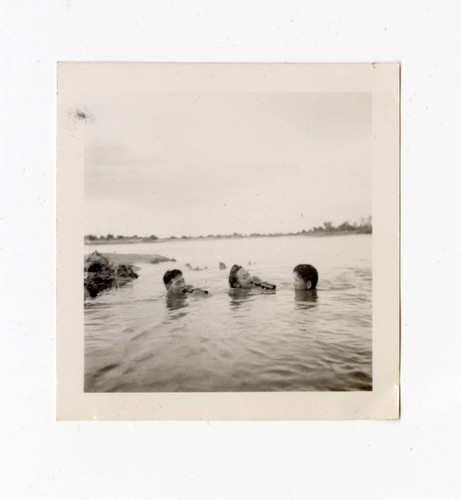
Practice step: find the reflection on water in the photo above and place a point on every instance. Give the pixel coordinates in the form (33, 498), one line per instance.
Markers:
(305, 299)
(175, 302)
(238, 297)
(139, 340)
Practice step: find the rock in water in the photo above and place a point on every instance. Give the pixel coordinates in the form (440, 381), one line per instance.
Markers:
(101, 274)
(96, 262)
(191, 268)
(157, 259)
(222, 265)
(126, 272)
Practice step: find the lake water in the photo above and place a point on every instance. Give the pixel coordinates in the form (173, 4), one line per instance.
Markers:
(138, 341)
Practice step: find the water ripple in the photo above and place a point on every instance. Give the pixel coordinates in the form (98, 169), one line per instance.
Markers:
(136, 340)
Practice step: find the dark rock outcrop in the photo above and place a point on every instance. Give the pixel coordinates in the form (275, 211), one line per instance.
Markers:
(126, 272)
(222, 265)
(100, 274)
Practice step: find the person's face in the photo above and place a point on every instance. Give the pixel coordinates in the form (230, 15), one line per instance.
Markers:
(243, 278)
(300, 283)
(177, 284)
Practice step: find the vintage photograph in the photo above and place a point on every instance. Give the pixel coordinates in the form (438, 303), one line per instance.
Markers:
(228, 243)
(227, 237)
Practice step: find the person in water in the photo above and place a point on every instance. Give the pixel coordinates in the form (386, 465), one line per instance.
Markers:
(241, 278)
(305, 277)
(176, 285)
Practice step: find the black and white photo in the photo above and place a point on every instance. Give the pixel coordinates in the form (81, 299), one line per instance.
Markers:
(229, 217)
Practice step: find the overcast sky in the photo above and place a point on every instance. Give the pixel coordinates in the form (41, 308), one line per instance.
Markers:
(217, 163)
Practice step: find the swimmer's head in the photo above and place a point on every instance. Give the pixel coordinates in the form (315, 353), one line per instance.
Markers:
(239, 277)
(174, 281)
(305, 277)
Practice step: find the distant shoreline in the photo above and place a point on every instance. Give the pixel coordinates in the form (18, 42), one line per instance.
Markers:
(134, 241)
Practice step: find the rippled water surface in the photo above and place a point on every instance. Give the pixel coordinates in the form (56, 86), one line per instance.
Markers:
(137, 341)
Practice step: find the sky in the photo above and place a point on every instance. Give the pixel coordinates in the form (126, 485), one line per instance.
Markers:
(174, 164)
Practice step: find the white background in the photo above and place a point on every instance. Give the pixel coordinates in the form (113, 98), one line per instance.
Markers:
(415, 457)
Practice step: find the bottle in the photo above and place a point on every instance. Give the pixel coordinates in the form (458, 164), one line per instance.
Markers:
(262, 284)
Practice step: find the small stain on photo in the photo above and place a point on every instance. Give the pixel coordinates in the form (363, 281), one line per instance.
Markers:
(81, 114)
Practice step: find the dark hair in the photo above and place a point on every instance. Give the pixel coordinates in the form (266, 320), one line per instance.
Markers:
(307, 273)
(233, 280)
(169, 275)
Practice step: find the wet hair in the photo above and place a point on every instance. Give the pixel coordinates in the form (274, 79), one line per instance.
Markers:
(233, 280)
(170, 275)
(307, 273)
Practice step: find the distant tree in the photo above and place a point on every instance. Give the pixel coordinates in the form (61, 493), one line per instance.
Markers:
(120, 237)
(91, 237)
(367, 225)
(345, 226)
(134, 236)
(328, 226)
(110, 237)
(153, 237)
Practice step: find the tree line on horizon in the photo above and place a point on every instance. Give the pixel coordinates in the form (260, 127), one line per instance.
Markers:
(93, 237)
(364, 227)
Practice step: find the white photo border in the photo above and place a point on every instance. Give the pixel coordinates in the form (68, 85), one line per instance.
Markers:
(79, 83)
